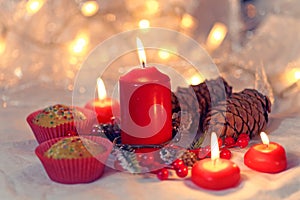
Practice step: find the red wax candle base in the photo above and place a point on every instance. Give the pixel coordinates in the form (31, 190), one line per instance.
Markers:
(146, 109)
(270, 159)
(215, 176)
(104, 109)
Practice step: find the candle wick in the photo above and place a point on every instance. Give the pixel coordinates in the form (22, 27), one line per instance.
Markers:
(143, 64)
(214, 162)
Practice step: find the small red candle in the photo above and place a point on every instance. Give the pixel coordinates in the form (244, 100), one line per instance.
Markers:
(103, 106)
(215, 173)
(145, 105)
(267, 157)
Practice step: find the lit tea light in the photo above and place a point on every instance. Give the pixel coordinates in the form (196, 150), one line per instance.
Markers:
(33, 6)
(103, 106)
(215, 173)
(144, 23)
(268, 157)
(216, 36)
(89, 8)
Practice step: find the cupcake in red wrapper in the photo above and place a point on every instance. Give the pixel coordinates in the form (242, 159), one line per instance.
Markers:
(76, 159)
(60, 121)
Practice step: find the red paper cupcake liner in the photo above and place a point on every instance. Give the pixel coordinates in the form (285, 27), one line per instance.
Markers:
(43, 134)
(72, 171)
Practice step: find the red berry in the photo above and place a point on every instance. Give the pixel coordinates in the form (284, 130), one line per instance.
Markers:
(225, 153)
(242, 142)
(163, 174)
(229, 141)
(244, 135)
(178, 163)
(145, 159)
(182, 171)
(220, 142)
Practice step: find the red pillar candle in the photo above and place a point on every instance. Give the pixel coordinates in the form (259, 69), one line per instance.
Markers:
(215, 173)
(268, 157)
(103, 106)
(145, 105)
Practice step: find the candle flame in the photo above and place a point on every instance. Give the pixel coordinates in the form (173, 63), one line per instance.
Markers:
(101, 89)
(215, 153)
(141, 52)
(264, 138)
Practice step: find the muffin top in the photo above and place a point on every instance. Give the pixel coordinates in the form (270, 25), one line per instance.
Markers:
(74, 147)
(56, 115)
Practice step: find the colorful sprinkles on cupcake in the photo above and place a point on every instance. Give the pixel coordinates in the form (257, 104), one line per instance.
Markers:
(56, 115)
(74, 147)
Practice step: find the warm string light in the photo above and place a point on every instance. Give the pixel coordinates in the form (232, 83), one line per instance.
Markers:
(152, 7)
(187, 21)
(216, 36)
(196, 79)
(144, 23)
(33, 6)
(79, 45)
(2, 44)
(89, 8)
(164, 54)
(292, 79)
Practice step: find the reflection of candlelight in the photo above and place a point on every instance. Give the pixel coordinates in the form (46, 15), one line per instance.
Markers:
(216, 36)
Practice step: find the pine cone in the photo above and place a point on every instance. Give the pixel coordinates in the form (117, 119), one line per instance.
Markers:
(197, 99)
(244, 112)
(189, 158)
